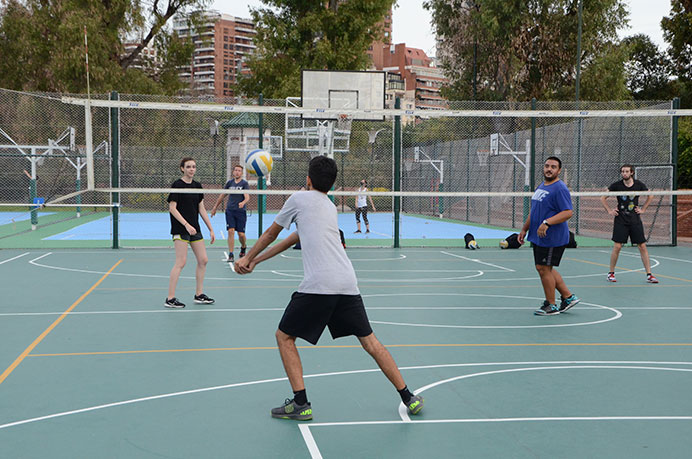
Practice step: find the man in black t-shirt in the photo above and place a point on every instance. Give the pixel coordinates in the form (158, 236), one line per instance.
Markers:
(628, 223)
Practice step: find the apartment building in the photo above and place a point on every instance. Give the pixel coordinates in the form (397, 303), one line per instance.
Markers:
(221, 46)
(419, 73)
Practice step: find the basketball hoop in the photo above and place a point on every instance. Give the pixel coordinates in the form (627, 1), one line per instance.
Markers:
(343, 122)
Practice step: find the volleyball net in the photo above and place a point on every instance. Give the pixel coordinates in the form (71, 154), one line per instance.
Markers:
(100, 170)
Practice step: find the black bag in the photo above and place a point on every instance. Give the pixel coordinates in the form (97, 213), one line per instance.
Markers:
(572, 244)
(470, 241)
(512, 242)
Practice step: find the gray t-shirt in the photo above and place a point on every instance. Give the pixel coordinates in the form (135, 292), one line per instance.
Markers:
(328, 271)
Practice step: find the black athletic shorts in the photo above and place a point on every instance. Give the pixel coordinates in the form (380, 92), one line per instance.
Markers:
(188, 238)
(634, 231)
(308, 313)
(548, 256)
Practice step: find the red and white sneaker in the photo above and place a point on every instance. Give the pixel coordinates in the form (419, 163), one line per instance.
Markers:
(611, 277)
(651, 279)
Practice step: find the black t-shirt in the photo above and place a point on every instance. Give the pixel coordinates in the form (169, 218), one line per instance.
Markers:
(188, 206)
(626, 204)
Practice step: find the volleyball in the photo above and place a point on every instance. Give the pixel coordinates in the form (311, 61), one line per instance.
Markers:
(259, 162)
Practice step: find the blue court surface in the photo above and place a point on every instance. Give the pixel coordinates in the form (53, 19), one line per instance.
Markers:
(156, 226)
(9, 217)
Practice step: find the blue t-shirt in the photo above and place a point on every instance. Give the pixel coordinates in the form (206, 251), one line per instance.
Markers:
(546, 202)
(234, 199)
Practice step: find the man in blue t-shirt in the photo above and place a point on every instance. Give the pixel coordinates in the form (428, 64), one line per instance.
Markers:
(551, 207)
(236, 214)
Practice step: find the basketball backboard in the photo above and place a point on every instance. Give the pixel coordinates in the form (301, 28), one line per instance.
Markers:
(359, 90)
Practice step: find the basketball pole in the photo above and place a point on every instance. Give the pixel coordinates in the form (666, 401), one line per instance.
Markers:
(87, 120)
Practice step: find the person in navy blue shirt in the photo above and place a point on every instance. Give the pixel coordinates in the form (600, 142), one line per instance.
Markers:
(546, 226)
(236, 213)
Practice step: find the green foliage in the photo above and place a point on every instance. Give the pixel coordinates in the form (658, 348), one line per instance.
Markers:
(677, 31)
(685, 153)
(648, 70)
(296, 34)
(42, 45)
(527, 49)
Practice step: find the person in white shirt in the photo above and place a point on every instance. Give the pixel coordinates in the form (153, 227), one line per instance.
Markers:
(328, 296)
(362, 206)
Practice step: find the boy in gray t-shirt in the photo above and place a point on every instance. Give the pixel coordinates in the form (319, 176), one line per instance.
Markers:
(328, 295)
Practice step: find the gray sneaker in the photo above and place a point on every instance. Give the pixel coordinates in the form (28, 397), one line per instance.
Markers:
(415, 404)
(547, 309)
(291, 410)
(568, 302)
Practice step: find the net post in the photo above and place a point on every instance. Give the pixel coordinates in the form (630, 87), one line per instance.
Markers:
(260, 180)
(674, 161)
(397, 171)
(115, 167)
(88, 139)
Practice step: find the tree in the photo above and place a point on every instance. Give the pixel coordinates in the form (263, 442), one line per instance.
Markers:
(647, 69)
(297, 34)
(677, 31)
(514, 50)
(42, 44)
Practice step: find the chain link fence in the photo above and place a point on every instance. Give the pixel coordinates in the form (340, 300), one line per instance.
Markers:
(450, 154)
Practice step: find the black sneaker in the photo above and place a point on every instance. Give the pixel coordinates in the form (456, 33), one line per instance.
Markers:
(356, 232)
(242, 252)
(568, 302)
(203, 299)
(230, 259)
(291, 410)
(367, 231)
(547, 309)
(173, 303)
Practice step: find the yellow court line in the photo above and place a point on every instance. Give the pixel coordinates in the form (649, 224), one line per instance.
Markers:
(31, 347)
(353, 346)
(625, 269)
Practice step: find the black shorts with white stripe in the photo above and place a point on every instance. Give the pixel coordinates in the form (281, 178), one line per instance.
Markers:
(548, 256)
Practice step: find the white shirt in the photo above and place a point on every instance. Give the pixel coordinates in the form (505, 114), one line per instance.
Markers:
(327, 269)
(362, 199)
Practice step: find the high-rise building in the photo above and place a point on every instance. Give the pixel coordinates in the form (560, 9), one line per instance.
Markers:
(221, 45)
(375, 50)
(419, 73)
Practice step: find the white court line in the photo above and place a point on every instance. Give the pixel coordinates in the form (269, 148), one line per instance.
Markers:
(400, 257)
(45, 255)
(478, 273)
(339, 373)
(13, 258)
(310, 441)
(69, 236)
(369, 308)
(403, 411)
(617, 315)
(478, 261)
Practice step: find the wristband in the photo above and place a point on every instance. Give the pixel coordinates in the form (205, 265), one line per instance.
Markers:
(545, 222)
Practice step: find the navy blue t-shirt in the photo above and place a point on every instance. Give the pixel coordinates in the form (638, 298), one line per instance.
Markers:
(546, 202)
(235, 199)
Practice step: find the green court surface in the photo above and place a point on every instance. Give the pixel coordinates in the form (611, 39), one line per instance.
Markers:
(92, 365)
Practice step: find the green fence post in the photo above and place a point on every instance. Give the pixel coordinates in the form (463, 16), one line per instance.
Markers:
(260, 180)
(115, 168)
(397, 171)
(674, 160)
(532, 165)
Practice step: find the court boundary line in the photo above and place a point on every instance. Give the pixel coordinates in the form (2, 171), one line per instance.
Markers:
(337, 373)
(50, 328)
(13, 258)
(475, 260)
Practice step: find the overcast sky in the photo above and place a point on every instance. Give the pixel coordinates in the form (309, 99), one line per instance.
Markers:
(412, 22)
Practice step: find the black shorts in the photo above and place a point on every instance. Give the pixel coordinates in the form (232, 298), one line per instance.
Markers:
(188, 238)
(634, 231)
(308, 313)
(547, 256)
